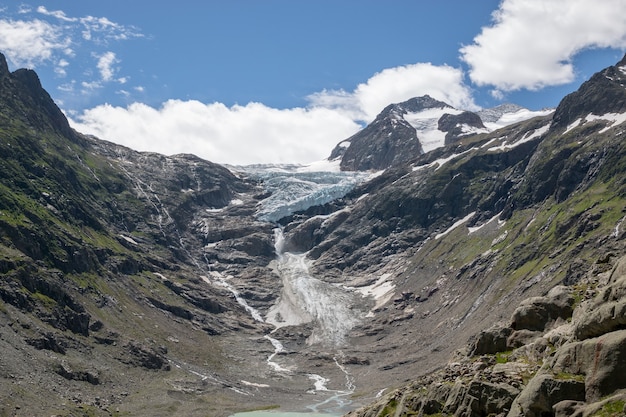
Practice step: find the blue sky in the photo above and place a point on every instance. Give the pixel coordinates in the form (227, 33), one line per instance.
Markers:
(245, 81)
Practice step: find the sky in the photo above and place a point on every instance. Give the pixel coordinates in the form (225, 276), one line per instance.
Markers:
(284, 81)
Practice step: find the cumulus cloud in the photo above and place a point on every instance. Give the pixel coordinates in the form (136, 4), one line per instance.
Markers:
(531, 43)
(395, 85)
(253, 133)
(29, 43)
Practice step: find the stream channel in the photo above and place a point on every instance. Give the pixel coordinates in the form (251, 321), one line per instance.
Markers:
(306, 299)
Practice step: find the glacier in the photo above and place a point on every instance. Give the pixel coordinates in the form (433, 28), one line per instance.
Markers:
(294, 188)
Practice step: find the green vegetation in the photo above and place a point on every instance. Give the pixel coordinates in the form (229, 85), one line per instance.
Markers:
(611, 409)
(390, 409)
(503, 357)
(569, 377)
(44, 300)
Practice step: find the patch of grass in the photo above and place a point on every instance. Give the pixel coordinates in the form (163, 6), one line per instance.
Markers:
(611, 409)
(390, 409)
(565, 376)
(44, 300)
(503, 357)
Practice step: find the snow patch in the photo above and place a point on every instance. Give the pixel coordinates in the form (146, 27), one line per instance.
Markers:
(515, 117)
(129, 239)
(472, 130)
(613, 119)
(253, 384)
(477, 228)
(440, 162)
(426, 123)
(455, 225)
(381, 291)
(500, 238)
(527, 138)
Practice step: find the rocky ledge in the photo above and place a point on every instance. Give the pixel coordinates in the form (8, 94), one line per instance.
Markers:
(562, 354)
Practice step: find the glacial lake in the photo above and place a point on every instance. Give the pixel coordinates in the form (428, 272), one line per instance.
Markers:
(281, 414)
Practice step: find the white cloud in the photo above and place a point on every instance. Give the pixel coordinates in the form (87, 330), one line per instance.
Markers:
(105, 65)
(89, 86)
(59, 69)
(531, 43)
(56, 13)
(101, 30)
(394, 85)
(29, 43)
(253, 133)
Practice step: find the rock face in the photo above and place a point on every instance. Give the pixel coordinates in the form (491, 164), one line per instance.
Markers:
(458, 125)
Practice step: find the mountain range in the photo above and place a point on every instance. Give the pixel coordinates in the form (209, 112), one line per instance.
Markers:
(444, 262)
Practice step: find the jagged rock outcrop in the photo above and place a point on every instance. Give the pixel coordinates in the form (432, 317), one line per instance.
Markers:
(603, 93)
(458, 125)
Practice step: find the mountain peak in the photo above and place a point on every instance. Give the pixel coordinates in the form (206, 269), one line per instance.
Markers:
(414, 105)
(22, 97)
(604, 92)
(4, 67)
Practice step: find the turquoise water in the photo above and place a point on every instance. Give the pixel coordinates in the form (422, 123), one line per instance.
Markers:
(281, 414)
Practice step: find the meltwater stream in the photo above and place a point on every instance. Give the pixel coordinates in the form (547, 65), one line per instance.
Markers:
(306, 299)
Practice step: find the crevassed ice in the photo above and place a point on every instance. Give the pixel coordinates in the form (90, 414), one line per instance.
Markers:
(295, 189)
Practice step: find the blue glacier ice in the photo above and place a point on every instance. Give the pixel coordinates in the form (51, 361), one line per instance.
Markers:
(294, 188)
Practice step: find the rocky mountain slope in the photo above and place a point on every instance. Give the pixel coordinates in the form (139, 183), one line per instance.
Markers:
(142, 284)
(551, 205)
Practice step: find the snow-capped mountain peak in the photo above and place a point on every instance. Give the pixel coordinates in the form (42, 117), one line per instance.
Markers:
(405, 130)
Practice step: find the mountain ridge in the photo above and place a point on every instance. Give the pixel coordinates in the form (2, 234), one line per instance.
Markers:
(402, 131)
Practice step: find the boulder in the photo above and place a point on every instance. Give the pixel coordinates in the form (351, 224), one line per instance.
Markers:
(479, 398)
(543, 392)
(604, 313)
(602, 360)
(490, 341)
(536, 313)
